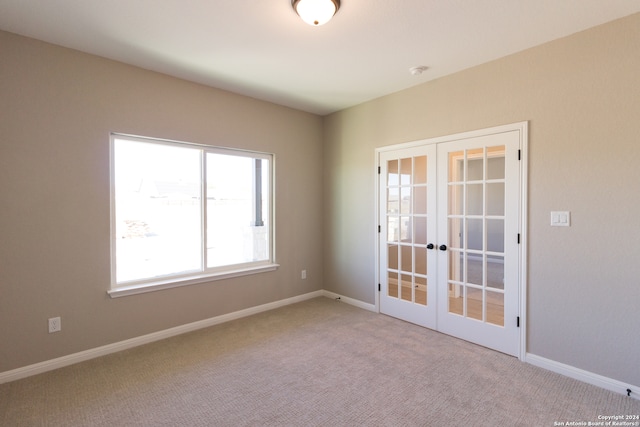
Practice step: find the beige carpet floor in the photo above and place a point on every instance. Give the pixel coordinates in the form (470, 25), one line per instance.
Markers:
(316, 363)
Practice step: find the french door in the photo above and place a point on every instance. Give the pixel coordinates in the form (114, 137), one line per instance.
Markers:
(408, 234)
(449, 236)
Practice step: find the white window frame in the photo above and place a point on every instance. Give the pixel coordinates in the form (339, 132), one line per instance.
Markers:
(206, 274)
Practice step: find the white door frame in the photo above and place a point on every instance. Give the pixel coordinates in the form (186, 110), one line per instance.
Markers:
(523, 129)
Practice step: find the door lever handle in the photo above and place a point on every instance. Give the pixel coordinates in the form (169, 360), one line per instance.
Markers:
(443, 247)
(430, 246)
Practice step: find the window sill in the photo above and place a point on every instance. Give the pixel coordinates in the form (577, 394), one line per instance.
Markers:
(159, 285)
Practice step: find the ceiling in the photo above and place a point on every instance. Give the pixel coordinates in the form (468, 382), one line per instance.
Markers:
(262, 49)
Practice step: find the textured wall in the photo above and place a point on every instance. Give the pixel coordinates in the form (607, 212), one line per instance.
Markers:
(57, 108)
(581, 96)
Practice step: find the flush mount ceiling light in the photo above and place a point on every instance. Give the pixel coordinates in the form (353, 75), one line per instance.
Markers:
(316, 12)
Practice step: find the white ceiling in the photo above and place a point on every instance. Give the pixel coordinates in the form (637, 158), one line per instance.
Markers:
(261, 48)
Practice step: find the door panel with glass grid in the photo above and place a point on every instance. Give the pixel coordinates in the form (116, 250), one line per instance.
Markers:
(408, 197)
(478, 276)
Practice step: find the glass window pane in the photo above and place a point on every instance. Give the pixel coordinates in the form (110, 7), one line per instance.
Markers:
(421, 290)
(405, 229)
(232, 235)
(393, 200)
(406, 288)
(475, 164)
(392, 257)
(392, 284)
(420, 200)
(392, 173)
(405, 171)
(456, 163)
(420, 170)
(475, 269)
(474, 303)
(162, 189)
(420, 230)
(495, 272)
(405, 259)
(456, 294)
(495, 235)
(157, 209)
(393, 228)
(420, 260)
(456, 198)
(474, 234)
(495, 198)
(474, 199)
(455, 233)
(405, 200)
(456, 266)
(495, 308)
(495, 162)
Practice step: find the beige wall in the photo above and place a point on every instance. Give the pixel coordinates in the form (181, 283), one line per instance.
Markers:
(57, 107)
(581, 96)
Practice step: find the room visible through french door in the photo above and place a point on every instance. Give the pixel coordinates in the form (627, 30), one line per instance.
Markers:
(449, 236)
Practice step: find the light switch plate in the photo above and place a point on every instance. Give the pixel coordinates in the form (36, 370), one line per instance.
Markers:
(560, 219)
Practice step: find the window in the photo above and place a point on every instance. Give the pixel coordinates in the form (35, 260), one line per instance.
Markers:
(185, 213)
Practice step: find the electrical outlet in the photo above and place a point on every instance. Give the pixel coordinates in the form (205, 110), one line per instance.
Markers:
(55, 325)
(303, 275)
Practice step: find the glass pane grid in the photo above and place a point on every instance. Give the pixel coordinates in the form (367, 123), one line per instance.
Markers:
(474, 243)
(392, 284)
(476, 233)
(407, 228)
(393, 228)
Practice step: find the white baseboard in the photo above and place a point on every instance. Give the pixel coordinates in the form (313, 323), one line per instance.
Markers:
(351, 301)
(584, 376)
(49, 365)
(60, 362)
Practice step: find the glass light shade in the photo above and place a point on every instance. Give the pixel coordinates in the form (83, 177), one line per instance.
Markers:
(316, 12)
